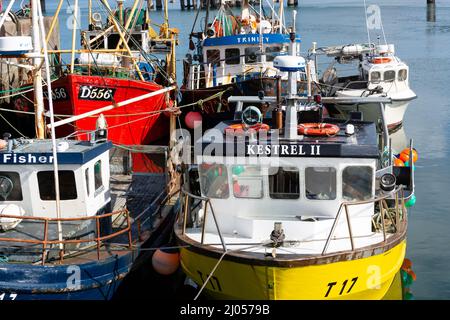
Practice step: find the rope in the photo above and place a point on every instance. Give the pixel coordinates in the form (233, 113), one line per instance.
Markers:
(210, 275)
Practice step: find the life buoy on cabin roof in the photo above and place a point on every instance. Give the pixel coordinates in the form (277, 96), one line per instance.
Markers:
(239, 128)
(380, 60)
(317, 129)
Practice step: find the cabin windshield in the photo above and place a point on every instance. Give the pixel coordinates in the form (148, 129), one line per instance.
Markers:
(389, 75)
(67, 185)
(357, 183)
(402, 75)
(10, 187)
(247, 182)
(284, 183)
(232, 56)
(214, 181)
(252, 55)
(320, 183)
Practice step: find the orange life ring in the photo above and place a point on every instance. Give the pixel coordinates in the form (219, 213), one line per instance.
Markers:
(380, 60)
(238, 128)
(317, 129)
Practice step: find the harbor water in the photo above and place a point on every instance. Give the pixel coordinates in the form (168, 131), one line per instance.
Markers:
(425, 47)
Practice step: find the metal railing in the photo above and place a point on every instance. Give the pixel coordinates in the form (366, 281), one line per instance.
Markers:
(396, 195)
(185, 208)
(98, 238)
(383, 209)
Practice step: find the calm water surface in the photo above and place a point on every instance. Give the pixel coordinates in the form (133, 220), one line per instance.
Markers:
(425, 46)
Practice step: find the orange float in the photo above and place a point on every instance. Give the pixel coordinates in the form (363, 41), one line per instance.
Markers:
(398, 163)
(380, 60)
(165, 263)
(317, 129)
(405, 155)
(239, 128)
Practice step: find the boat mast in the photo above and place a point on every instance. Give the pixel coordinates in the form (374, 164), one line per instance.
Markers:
(74, 35)
(290, 131)
(38, 92)
(90, 12)
(40, 31)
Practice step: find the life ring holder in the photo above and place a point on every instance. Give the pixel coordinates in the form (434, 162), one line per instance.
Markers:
(318, 129)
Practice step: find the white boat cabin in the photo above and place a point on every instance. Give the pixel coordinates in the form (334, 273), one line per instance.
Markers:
(27, 182)
(234, 58)
(298, 183)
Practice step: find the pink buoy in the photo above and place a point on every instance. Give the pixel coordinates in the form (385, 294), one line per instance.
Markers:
(193, 119)
(165, 263)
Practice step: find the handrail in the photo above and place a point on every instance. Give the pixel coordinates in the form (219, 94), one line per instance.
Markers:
(207, 202)
(381, 199)
(98, 239)
(353, 203)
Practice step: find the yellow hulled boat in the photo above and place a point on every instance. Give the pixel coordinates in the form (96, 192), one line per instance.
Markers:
(309, 210)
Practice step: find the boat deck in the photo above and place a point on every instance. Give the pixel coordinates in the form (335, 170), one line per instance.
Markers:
(139, 194)
(290, 246)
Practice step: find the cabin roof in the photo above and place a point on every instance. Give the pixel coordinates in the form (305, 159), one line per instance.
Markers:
(40, 152)
(250, 39)
(361, 144)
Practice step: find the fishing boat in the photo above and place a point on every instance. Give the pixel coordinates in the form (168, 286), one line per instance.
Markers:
(379, 73)
(71, 223)
(83, 246)
(117, 70)
(284, 203)
(233, 55)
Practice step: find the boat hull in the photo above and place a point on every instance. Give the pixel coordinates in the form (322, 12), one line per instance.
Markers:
(98, 280)
(364, 278)
(138, 123)
(394, 111)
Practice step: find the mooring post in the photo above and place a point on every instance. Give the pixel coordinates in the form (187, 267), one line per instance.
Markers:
(182, 4)
(431, 11)
(159, 5)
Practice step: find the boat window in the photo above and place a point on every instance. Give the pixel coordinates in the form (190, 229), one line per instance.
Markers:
(389, 75)
(98, 175)
(357, 183)
(375, 76)
(10, 187)
(67, 186)
(402, 75)
(272, 52)
(320, 183)
(214, 180)
(247, 182)
(232, 56)
(284, 183)
(86, 175)
(252, 55)
(213, 56)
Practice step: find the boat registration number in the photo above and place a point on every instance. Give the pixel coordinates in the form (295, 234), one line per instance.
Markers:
(96, 93)
(57, 94)
(9, 296)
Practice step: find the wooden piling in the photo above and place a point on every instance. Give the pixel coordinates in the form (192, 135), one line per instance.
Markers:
(159, 5)
(431, 11)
